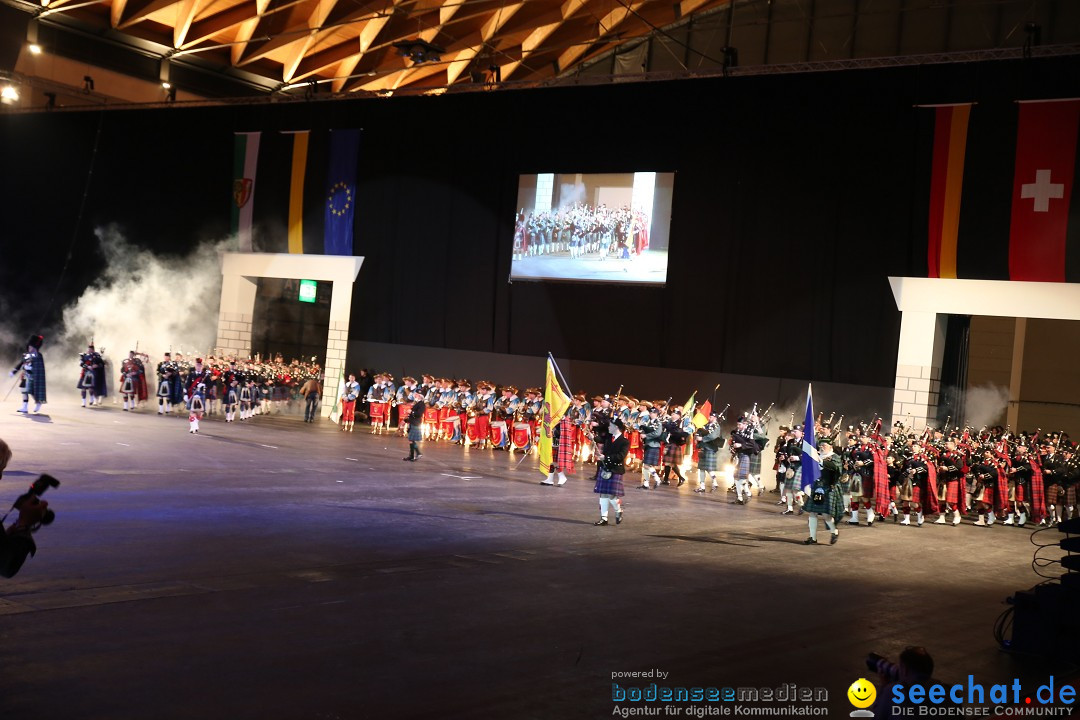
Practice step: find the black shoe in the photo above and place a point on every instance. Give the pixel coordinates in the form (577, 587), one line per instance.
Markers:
(834, 538)
(809, 541)
(545, 482)
(681, 483)
(642, 487)
(618, 517)
(601, 521)
(665, 482)
(408, 459)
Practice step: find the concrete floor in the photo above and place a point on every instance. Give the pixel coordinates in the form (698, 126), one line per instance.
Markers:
(273, 569)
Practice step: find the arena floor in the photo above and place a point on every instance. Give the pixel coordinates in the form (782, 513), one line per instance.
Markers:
(273, 569)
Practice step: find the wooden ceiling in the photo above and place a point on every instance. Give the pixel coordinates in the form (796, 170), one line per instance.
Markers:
(349, 45)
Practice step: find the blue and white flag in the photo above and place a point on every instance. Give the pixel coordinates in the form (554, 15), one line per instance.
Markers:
(811, 461)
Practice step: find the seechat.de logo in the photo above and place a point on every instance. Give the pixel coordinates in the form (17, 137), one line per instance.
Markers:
(862, 694)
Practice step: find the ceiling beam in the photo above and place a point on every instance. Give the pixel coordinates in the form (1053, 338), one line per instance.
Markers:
(185, 16)
(606, 25)
(136, 11)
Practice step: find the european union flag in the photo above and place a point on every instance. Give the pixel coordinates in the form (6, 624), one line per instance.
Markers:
(341, 192)
(811, 461)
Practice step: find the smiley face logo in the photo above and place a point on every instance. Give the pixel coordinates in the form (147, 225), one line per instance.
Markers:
(862, 693)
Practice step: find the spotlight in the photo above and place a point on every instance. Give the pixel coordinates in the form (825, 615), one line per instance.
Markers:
(9, 95)
(419, 51)
(34, 49)
(87, 84)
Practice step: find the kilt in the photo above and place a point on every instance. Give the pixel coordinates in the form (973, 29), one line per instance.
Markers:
(651, 456)
(708, 459)
(415, 433)
(34, 384)
(1070, 494)
(918, 493)
(673, 454)
(563, 458)
(1018, 493)
(832, 504)
(792, 485)
(755, 464)
(612, 486)
(950, 491)
(983, 494)
(742, 468)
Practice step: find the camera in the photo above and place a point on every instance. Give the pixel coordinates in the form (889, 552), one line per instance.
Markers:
(872, 661)
(33, 511)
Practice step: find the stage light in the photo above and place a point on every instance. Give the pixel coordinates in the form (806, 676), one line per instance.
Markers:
(87, 84)
(167, 85)
(419, 51)
(170, 94)
(50, 102)
(9, 95)
(34, 49)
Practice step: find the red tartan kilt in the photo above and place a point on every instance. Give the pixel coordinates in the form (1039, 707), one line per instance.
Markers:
(403, 411)
(448, 422)
(431, 415)
(952, 491)
(984, 495)
(519, 436)
(378, 411)
(1020, 493)
(917, 491)
(496, 434)
(564, 458)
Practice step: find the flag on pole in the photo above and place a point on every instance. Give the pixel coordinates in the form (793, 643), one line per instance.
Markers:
(296, 190)
(689, 406)
(245, 162)
(336, 411)
(946, 187)
(811, 461)
(556, 403)
(1046, 141)
(701, 417)
(341, 192)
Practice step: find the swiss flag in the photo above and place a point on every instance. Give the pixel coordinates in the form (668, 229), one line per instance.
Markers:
(1042, 188)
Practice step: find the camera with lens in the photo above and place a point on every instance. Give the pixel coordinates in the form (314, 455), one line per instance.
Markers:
(17, 542)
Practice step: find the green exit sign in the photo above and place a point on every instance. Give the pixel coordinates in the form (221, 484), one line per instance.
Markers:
(308, 290)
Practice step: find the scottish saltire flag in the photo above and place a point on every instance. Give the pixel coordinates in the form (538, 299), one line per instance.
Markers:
(341, 192)
(811, 461)
(556, 403)
(245, 162)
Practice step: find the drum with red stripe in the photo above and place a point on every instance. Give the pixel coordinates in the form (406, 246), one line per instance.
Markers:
(497, 432)
(637, 452)
(520, 435)
(403, 411)
(472, 430)
(449, 423)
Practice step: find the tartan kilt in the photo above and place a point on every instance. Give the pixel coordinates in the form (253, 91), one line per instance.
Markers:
(1070, 494)
(1018, 492)
(949, 491)
(793, 485)
(708, 460)
(755, 464)
(651, 456)
(612, 486)
(742, 466)
(833, 503)
(563, 458)
(983, 494)
(919, 492)
(673, 454)
(415, 433)
(1055, 493)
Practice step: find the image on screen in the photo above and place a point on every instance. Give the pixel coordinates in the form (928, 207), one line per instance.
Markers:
(600, 227)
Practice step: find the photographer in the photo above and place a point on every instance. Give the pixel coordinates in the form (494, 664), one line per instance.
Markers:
(914, 667)
(16, 541)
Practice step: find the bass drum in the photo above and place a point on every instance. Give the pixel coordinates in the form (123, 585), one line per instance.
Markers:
(497, 433)
(472, 430)
(520, 436)
(378, 412)
(450, 423)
